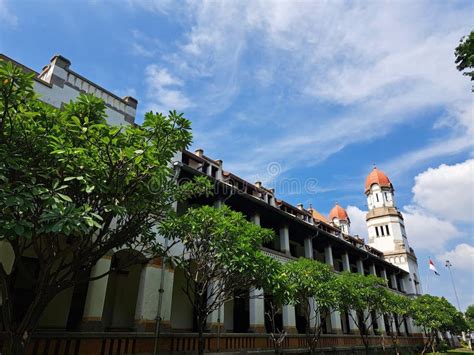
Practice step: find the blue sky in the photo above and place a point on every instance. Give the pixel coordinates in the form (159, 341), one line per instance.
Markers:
(307, 92)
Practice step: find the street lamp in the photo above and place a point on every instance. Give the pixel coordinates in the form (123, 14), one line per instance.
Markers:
(448, 265)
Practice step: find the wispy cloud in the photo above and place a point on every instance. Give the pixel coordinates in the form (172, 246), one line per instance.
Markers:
(6, 15)
(379, 64)
(163, 91)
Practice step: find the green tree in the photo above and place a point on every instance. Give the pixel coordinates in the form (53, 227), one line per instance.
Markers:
(72, 188)
(469, 314)
(365, 296)
(464, 53)
(312, 287)
(221, 257)
(436, 314)
(397, 310)
(278, 292)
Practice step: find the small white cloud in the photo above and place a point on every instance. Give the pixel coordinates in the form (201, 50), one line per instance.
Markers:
(6, 15)
(163, 92)
(358, 224)
(461, 257)
(447, 191)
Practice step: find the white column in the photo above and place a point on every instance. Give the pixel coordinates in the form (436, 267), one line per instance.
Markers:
(336, 325)
(372, 270)
(256, 218)
(314, 317)
(289, 318)
(95, 299)
(148, 298)
(257, 311)
(215, 320)
(328, 256)
(346, 265)
(308, 247)
(285, 239)
(380, 324)
(393, 279)
(360, 266)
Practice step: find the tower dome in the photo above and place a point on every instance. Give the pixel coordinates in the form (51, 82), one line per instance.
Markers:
(339, 213)
(338, 217)
(378, 177)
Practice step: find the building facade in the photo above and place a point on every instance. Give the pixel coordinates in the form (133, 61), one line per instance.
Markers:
(118, 313)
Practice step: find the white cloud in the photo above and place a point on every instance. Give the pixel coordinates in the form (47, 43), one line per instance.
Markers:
(428, 232)
(358, 224)
(461, 257)
(6, 15)
(381, 62)
(163, 90)
(447, 191)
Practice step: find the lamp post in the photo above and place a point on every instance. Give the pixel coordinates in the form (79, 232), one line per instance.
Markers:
(448, 265)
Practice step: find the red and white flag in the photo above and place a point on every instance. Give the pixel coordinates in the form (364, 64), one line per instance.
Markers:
(433, 268)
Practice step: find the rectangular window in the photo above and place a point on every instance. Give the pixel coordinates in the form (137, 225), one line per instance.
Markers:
(382, 233)
(377, 197)
(377, 231)
(386, 228)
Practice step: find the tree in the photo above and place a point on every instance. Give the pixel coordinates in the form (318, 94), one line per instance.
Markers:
(436, 314)
(365, 296)
(469, 314)
(397, 310)
(312, 287)
(72, 188)
(221, 257)
(464, 53)
(278, 292)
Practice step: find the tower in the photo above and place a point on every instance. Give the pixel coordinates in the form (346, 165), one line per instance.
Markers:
(386, 227)
(338, 217)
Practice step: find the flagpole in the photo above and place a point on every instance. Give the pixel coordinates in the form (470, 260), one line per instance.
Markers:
(448, 265)
(428, 278)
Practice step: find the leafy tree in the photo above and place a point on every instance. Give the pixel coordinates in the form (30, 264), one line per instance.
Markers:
(221, 257)
(72, 188)
(397, 309)
(469, 314)
(278, 292)
(312, 287)
(436, 314)
(364, 295)
(464, 53)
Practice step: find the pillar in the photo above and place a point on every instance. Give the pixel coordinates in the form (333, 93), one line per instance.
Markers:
(314, 316)
(336, 326)
(308, 247)
(285, 239)
(148, 306)
(360, 266)
(215, 320)
(257, 311)
(289, 319)
(372, 270)
(256, 218)
(328, 256)
(95, 298)
(346, 265)
(393, 279)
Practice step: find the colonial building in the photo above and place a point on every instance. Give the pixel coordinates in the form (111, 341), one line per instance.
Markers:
(117, 314)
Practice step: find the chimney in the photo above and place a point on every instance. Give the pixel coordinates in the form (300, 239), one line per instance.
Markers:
(219, 162)
(131, 101)
(272, 190)
(258, 184)
(199, 152)
(300, 206)
(60, 61)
